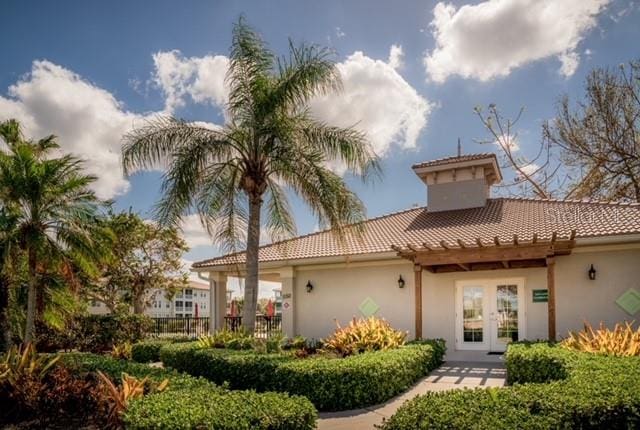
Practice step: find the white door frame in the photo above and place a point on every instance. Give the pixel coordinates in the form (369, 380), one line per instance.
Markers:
(489, 338)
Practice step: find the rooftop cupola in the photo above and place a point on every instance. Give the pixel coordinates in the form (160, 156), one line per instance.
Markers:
(459, 182)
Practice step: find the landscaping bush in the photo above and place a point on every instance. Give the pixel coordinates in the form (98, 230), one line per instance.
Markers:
(148, 351)
(536, 362)
(94, 333)
(330, 383)
(193, 403)
(585, 391)
(364, 335)
(622, 341)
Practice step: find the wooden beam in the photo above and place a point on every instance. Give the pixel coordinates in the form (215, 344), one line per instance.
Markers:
(396, 248)
(496, 240)
(461, 244)
(551, 287)
(505, 264)
(535, 238)
(515, 239)
(411, 247)
(426, 246)
(464, 267)
(554, 236)
(479, 242)
(417, 270)
(444, 244)
(492, 254)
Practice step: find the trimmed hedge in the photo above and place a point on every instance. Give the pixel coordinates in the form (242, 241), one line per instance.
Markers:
(331, 384)
(148, 351)
(195, 403)
(583, 391)
(94, 333)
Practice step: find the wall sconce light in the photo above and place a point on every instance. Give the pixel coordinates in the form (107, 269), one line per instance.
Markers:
(592, 273)
(309, 287)
(400, 282)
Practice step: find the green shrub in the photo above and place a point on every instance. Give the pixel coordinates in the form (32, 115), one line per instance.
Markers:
(535, 362)
(330, 383)
(94, 333)
(585, 391)
(147, 351)
(193, 403)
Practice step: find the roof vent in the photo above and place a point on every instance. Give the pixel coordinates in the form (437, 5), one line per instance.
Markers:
(459, 182)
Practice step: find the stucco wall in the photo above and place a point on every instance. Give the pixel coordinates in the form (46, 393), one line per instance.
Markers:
(579, 298)
(339, 291)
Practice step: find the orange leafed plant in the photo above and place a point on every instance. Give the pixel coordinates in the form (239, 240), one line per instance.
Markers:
(117, 398)
(623, 340)
(371, 334)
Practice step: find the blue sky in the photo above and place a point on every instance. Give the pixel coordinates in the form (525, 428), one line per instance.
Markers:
(89, 70)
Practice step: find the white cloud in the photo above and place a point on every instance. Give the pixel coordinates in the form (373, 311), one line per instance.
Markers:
(376, 100)
(201, 78)
(194, 233)
(490, 39)
(88, 120)
(396, 57)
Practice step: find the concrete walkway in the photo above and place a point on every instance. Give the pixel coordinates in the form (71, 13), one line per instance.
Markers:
(451, 375)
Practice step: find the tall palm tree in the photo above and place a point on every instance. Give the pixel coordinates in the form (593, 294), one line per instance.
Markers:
(235, 174)
(54, 212)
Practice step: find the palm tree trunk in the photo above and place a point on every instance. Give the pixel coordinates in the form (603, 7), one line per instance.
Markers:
(32, 297)
(251, 281)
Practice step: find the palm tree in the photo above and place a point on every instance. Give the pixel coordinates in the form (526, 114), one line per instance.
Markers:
(234, 174)
(53, 211)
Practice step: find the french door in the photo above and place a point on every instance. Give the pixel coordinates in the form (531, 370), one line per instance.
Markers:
(489, 313)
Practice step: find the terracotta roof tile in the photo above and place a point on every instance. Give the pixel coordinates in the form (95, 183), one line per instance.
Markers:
(502, 217)
(454, 159)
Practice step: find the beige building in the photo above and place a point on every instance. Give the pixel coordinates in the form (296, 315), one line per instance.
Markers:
(474, 270)
(185, 303)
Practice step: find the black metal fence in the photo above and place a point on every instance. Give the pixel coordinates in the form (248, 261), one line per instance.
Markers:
(187, 326)
(265, 325)
(195, 327)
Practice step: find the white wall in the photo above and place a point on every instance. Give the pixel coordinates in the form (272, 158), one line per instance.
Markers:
(578, 298)
(338, 291)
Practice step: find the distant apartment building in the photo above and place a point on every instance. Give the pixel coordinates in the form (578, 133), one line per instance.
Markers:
(187, 302)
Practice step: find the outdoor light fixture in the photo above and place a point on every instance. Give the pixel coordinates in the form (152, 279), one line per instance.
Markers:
(309, 287)
(592, 273)
(400, 282)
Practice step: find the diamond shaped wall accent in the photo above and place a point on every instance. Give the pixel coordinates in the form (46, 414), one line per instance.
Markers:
(629, 301)
(368, 307)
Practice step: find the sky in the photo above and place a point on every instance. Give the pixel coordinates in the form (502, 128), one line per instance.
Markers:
(413, 71)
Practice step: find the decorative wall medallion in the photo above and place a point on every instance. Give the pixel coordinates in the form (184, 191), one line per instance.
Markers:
(629, 301)
(368, 307)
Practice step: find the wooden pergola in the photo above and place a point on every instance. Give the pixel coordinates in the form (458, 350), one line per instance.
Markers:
(481, 255)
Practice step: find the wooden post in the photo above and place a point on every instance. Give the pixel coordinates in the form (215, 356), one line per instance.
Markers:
(551, 305)
(417, 269)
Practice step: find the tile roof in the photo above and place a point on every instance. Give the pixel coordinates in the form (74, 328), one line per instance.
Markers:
(454, 159)
(502, 217)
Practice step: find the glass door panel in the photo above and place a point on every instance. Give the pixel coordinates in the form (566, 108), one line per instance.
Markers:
(472, 314)
(506, 327)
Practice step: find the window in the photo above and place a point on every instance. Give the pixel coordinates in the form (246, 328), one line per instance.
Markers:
(188, 305)
(472, 319)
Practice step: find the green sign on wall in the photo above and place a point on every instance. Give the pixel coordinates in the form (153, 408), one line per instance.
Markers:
(540, 296)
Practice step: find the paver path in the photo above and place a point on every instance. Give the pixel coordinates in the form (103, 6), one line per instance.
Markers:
(450, 375)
